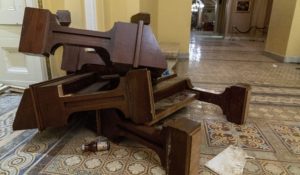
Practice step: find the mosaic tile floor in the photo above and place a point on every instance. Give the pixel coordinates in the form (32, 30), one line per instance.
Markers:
(8, 104)
(271, 133)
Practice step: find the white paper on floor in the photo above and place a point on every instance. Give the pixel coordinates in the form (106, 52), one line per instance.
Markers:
(231, 161)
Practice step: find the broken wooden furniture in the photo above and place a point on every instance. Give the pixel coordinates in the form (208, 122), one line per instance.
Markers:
(51, 103)
(76, 54)
(134, 109)
(123, 86)
(124, 47)
(176, 141)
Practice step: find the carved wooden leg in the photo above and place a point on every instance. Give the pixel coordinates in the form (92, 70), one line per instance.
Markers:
(182, 147)
(234, 101)
(98, 122)
(25, 116)
(177, 143)
(238, 103)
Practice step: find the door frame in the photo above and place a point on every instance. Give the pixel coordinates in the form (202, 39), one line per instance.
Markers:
(43, 68)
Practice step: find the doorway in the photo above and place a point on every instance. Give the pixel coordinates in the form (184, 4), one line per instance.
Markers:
(208, 18)
(17, 68)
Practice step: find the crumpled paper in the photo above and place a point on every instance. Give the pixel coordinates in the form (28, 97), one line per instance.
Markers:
(231, 161)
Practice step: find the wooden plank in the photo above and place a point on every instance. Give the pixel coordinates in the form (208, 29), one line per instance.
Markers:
(93, 87)
(140, 95)
(169, 105)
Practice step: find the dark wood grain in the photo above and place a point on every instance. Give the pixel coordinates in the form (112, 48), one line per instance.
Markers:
(145, 17)
(125, 44)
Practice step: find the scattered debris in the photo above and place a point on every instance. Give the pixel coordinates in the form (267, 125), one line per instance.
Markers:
(275, 65)
(231, 161)
(96, 145)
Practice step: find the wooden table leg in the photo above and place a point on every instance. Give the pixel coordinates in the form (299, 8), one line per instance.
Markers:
(98, 122)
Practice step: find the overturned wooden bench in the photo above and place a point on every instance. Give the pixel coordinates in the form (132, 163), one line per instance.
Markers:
(121, 81)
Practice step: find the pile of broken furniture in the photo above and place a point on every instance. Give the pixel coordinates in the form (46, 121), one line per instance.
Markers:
(121, 81)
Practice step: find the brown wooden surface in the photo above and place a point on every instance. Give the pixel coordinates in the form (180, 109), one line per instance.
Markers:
(120, 81)
(140, 96)
(63, 17)
(133, 95)
(234, 101)
(183, 135)
(177, 143)
(125, 44)
(25, 119)
(145, 17)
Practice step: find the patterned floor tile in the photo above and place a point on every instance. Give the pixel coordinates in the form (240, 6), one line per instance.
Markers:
(275, 100)
(9, 102)
(67, 158)
(253, 167)
(289, 136)
(270, 167)
(6, 122)
(247, 136)
(269, 112)
(21, 157)
(230, 72)
(232, 56)
(257, 167)
(292, 168)
(276, 90)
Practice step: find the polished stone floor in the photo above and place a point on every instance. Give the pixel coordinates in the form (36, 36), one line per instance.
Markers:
(271, 133)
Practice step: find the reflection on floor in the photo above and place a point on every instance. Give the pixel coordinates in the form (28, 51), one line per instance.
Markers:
(206, 34)
(271, 133)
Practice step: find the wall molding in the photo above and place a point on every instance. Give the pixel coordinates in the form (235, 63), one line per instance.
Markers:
(281, 58)
(292, 59)
(274, 56)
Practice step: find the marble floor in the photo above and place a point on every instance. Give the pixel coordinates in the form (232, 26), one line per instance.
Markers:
(271, 133)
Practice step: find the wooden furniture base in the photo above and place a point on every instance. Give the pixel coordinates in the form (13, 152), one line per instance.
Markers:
(50, 103)
(177, 142)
